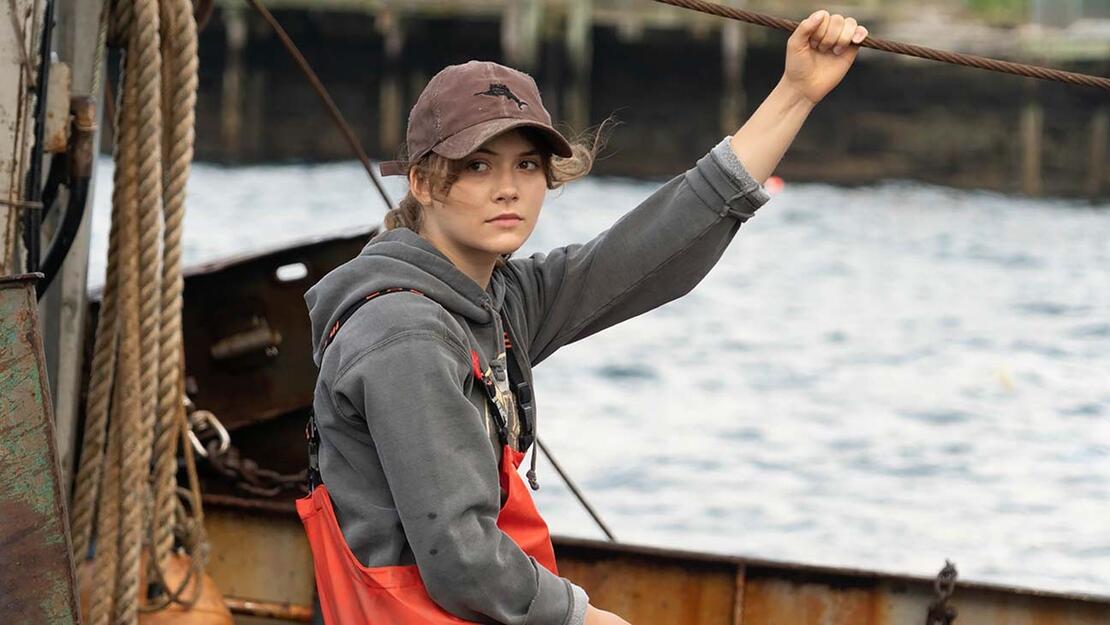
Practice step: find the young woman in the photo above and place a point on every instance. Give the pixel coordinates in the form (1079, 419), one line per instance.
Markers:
(427, 339)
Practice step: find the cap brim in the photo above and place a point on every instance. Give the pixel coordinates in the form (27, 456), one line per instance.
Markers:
(466, 141)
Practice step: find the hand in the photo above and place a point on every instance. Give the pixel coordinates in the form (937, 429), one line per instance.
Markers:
(601, 617)
(820, 52)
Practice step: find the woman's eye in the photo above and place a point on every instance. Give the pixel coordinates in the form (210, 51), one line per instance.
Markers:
(477, 166)
(530, 165)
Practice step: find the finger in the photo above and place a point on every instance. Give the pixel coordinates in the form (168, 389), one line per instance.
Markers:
(860, 35)
(819, 32)
(832, 34)
(845, 38)
(805, 30)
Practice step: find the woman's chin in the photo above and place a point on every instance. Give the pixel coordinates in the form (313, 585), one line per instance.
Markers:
(506, 243)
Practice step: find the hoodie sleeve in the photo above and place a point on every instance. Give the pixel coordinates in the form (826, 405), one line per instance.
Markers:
(443, 476)
(653, 254)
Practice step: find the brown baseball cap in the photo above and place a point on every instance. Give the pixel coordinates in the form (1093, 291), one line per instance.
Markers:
(463, 106)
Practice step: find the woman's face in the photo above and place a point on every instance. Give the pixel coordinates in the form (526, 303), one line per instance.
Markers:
(492, 207)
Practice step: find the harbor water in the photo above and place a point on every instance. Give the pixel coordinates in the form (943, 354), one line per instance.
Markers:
(879, 377)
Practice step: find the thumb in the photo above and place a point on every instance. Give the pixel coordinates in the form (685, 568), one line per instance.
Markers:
(807, 27)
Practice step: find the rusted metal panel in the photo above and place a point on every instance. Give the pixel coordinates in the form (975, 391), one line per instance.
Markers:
(234, 303)
(769, 601)
(56, 132)
(37, 579)
(259, 557)
(247, 334)
(778, 593)
(772, 601)
(646, 590)
(648, 585)
(282, 612)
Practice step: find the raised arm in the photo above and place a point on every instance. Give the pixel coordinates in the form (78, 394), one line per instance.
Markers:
(818, 55)
(666, 245)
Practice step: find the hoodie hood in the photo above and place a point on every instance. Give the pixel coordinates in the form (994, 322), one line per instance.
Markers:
(399, 258)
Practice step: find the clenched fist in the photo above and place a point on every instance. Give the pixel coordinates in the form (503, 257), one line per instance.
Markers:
(820, 52)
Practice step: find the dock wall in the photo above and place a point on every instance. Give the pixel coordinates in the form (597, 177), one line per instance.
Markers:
(676, 87)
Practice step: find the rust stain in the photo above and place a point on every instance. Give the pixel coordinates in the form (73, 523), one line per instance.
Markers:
(36, 577)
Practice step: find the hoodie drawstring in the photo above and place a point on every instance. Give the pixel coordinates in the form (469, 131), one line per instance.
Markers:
(532, 481)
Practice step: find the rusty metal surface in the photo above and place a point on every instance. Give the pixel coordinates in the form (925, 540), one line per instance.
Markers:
(37, 581)
(775, 593)
(759, 568)
(648, 585)
(269, 609)
(260, 557)
(56, 132)
(241, 297)
(229, 304)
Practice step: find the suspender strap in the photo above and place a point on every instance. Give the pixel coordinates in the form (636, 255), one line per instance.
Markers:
(526, 409)
(353, 308)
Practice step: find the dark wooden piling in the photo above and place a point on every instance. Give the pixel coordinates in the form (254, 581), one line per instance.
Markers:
(231, 104)
(734, 48)
(579, 45)
(1100, 128)
(1032, 140)
(391, 118)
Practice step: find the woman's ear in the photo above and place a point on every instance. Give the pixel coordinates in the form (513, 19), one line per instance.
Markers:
(418, 186)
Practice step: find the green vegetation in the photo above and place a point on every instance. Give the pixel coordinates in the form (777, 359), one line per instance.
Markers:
(1009, 11)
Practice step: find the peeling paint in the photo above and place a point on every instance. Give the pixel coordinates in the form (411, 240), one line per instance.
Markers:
(37, 582)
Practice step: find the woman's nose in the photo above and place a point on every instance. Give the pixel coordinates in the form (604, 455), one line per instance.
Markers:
(507, 188)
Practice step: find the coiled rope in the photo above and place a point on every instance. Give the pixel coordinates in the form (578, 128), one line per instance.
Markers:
(955, 58)
(135, 411)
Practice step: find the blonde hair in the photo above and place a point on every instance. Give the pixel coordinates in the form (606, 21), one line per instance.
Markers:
(440, 173)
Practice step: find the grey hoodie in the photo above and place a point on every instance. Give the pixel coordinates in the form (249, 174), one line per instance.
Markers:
(408, 449)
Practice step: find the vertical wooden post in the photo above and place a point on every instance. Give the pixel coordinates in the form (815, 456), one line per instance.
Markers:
(520, 33)
(231, 100)
(255, 119)
(417, 81)
(552, 75)
(510, 34)
(392, 117)
(1100, 129)
(734, 49)
(580, 54)
(1032, 134)
(630, 26)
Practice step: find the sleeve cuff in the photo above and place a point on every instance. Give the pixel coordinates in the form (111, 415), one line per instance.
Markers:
(726, 158)
(555, 602)
(579, 601)
(724, 185)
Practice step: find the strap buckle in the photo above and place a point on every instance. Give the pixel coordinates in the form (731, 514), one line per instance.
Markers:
(313, 437)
